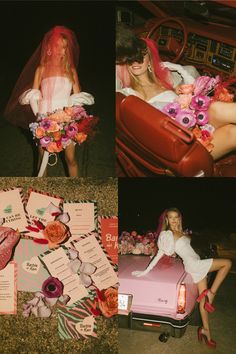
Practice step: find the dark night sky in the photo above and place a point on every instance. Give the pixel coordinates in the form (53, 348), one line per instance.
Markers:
(204, 202)
(23, 24)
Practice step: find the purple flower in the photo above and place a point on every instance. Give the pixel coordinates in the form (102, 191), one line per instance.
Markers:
(71, 130)
(52, 287)
(45, 141)
(202, 117)
(186, 118)
(200, 102)
(45, 124)
(171, 109)
(79, 112)
(65, 140)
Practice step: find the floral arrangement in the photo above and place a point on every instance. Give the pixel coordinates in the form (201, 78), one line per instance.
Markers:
(190, 109)
(134, 243)
(56, 130)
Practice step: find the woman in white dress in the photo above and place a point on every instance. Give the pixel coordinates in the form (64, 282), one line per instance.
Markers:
(140, 72)
(172, 240)
(48, 82)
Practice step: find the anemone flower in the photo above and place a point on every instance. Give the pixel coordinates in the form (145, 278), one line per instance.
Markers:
(186, 118)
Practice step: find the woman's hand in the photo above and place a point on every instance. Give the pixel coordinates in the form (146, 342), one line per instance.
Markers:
(139, 273)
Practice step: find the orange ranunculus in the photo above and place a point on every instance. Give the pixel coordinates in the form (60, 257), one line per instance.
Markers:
(109, 305)
(225, 96)
(184, 100)
(54, 127)
(53, 147)
(186, 89)
(39, 133)
(80, 137)
(68, 110)
(57, 136)
(55, 232)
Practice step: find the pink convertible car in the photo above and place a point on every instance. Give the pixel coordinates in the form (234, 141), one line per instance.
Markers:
(164, 300)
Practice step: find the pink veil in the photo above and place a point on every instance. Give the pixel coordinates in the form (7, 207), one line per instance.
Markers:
(161, 73)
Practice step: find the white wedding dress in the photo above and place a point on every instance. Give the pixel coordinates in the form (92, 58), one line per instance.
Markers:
(167, 245)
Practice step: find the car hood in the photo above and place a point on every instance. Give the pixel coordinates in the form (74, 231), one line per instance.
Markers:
(155, 293)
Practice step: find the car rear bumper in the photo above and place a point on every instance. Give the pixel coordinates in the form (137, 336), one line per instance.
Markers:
(175, 328)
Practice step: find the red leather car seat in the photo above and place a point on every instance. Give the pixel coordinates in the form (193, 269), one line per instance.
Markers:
(149, 143)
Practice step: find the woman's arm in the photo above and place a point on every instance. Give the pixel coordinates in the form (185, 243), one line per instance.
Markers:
(37, 78)
(76, 85)
(151, 265)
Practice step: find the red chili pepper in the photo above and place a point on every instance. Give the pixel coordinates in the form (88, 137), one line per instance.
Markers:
(39, 225)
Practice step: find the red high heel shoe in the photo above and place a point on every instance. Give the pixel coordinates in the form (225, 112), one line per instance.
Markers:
(201, 336)
(8, 240)
(207, 306)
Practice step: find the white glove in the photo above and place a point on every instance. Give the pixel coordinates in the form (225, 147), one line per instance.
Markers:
(31, 96)
(80, 99)
(188, 78)
(139, 273)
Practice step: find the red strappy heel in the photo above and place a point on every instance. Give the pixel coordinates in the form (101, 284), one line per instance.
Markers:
(207, 306)
(201, 336)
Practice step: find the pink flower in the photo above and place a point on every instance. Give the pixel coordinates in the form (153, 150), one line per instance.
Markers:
(186, 89)
(204, 84)
(202, 117)
(171, 109)
(45, 141)
(52, 287)
(71, 130)
(186, 118)
(184, 100)
(200, 102)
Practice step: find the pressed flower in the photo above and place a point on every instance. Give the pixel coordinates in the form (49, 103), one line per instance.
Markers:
(52, 287)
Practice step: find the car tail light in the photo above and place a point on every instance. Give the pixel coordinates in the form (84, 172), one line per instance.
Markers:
(181, 299)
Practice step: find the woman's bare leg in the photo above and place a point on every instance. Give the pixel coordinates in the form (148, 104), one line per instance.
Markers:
(202, 285)
(222, 113)
(40, 157)
(222, 266)
(71, 160)
(224, 140)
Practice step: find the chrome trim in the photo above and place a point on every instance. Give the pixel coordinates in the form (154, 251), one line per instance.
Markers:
(148, 320)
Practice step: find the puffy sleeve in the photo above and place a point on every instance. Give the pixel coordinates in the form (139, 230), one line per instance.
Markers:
(81, 98)
(179, 73)
(166, 246)
(31, 96)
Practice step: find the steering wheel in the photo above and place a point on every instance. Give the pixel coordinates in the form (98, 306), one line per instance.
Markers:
(172, 49)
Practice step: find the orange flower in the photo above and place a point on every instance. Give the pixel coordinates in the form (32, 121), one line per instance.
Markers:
(57, 136)
(40, 132)
(80, 137)
(53, 147)
(55, 232)
(186, 89)
(109, 305)
(54, 127)
(68, 110)
(225, 96)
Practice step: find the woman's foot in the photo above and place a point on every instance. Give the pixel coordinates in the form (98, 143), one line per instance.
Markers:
(209, 297)
(204, 334)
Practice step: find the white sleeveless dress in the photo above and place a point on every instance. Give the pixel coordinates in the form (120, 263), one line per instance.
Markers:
(196, 267)
(158, 101)
(54, 93)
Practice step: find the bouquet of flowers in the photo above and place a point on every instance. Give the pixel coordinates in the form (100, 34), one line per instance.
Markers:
(56, 130)
(190, 109)
(134, 243)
